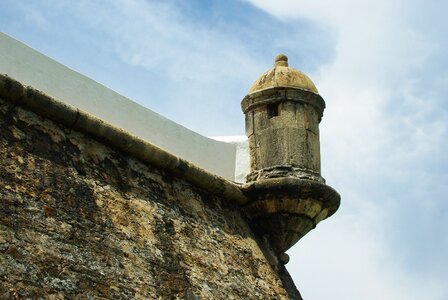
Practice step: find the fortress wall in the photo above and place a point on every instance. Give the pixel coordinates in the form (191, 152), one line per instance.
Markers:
(83, 220)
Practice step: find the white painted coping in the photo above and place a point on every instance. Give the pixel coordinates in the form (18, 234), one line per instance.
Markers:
(30, 67)
(242, 161)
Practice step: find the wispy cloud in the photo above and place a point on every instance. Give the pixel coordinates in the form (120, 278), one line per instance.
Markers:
(186, 52)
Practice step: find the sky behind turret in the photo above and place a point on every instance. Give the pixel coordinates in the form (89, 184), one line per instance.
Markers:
(381, 68)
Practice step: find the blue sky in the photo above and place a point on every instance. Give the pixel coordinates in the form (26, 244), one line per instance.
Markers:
(381, 67)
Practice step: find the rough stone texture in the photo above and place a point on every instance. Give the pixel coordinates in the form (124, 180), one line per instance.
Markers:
(287, 195)
(282, 126)
(80, 220)
(285, 209)
(283, 110)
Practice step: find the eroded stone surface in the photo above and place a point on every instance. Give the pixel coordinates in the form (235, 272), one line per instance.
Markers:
(80, 220)
(287, 194)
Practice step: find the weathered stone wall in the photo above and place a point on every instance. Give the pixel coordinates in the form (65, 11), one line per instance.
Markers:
(80, 220)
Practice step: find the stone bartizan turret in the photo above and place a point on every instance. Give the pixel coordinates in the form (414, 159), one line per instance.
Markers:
(287, 193)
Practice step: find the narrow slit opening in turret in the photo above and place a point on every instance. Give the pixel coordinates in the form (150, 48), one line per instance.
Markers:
(273, 110)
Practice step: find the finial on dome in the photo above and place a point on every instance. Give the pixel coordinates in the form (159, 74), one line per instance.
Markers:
(281, 60)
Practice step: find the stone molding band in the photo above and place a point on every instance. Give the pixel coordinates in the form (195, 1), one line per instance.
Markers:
(283, 171)
(298, 188)
(74, 118)
(279, 94)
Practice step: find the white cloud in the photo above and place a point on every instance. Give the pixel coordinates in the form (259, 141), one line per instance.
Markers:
(346, 259)
(384, 124)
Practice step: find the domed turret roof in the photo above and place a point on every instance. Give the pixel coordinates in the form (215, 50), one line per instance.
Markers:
(283, 76)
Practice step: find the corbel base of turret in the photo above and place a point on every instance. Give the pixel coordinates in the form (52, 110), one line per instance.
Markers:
(283, 210)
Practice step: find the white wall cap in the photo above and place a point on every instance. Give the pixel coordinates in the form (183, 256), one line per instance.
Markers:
(30, 67)
(242, 161)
